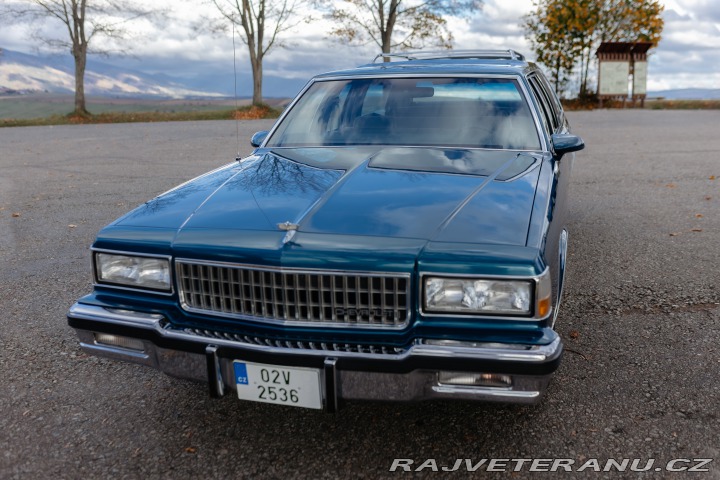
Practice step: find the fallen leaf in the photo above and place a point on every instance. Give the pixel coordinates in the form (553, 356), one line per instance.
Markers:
(698, 215)
(576, 353)
(72, 226)
(16, 214)
(670, 185)
(574, 334)
(712, 177)
(191, 449)
(696, 230)
(708, 197)
(675, 234)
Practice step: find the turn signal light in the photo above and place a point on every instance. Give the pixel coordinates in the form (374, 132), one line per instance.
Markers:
(543, 307)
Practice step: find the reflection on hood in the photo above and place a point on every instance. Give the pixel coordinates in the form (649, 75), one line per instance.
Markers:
(454, 195)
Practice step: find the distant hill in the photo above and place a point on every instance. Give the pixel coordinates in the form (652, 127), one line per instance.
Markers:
(22, 73)
(688, 94)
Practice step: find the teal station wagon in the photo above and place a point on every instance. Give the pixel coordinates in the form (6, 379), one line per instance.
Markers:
(398, 235)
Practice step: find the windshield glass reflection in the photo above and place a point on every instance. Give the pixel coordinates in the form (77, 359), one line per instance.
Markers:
(454, 112)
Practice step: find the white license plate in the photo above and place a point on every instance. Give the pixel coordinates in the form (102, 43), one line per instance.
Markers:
(294, 386)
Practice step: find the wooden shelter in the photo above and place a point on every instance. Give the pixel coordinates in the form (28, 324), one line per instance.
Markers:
(618, 61)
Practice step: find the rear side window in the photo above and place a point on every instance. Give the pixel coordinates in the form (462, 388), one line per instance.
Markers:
(549, 118)
(552, 95)
(474, 112)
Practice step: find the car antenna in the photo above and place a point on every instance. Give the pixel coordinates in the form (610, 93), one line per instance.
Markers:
(235, 112)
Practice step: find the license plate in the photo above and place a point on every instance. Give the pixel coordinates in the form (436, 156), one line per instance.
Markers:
(294, 386)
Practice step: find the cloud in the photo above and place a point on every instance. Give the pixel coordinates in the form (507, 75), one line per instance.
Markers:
(688, 55)
(496, 26)
(706, 10)
(307, 56)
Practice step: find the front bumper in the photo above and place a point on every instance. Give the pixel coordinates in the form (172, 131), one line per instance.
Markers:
(410, 375)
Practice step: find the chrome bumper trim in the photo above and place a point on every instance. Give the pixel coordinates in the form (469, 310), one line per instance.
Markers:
(531, 354)
(88, 344)
(502, 394)
(117, 316)
(353, 385)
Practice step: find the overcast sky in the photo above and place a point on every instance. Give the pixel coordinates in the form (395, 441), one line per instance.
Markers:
(688, 55)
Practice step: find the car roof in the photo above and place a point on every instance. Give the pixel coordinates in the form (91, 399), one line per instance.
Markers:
(438, 66)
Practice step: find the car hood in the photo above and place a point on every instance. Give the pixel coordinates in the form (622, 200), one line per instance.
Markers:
(445, 195)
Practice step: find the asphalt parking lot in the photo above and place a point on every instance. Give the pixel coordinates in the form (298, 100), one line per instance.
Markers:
(640, 321)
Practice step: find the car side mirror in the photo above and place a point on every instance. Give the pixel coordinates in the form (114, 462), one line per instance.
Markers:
(565, 143)
(258, 138)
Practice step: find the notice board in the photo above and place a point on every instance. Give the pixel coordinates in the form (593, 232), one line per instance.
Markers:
(614, 78)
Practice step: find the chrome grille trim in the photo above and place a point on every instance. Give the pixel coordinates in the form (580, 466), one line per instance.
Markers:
(295, 297)
(296, 344)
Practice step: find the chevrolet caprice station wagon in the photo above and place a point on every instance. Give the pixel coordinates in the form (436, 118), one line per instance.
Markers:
(399, 235)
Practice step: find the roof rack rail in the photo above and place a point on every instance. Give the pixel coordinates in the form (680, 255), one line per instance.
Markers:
(453, 54)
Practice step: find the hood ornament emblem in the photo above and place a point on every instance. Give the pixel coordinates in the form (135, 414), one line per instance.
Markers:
(287, 226)
(290, 228)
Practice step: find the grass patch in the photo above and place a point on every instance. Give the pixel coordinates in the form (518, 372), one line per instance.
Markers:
(655, 104)
(683, 104)
(250, 112)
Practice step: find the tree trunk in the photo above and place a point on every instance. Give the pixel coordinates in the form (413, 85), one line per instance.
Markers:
(80, 55)
(388, 25)
(257, 74)
(386, 43)
(587, 70)
(582, 73)
(557, 75)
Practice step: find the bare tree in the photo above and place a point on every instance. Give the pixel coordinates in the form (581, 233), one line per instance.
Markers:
(397, 24)
(84, 21)
(263, 22)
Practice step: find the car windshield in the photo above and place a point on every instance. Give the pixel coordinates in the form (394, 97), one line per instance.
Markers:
(451, 112)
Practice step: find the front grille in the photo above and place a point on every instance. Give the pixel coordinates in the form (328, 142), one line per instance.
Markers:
(294, 296)
(329, 346)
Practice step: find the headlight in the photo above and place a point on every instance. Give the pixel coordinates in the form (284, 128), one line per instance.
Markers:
(140, 272)
(468, 295)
